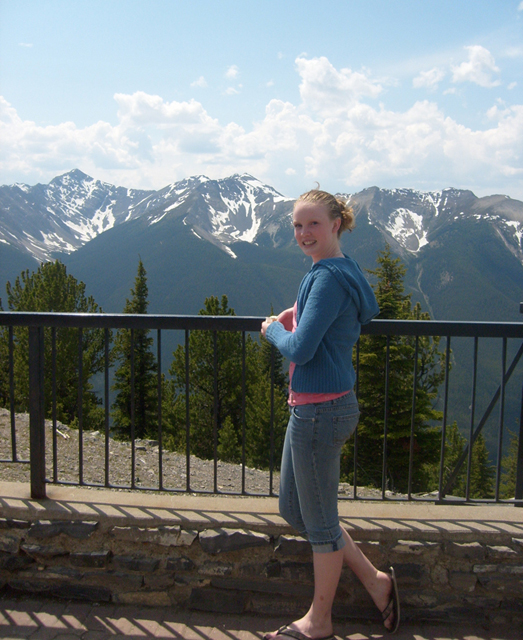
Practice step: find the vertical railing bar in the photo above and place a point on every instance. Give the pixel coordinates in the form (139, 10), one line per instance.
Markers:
(518, 494)
(445, 411)
(80, 408)
(271, 449)
(215, 409)
(413, 417)
(244, 391)
(472, 416)
(133, 416)
(355, 457)
(187, 417)
(106, 406)
(501, 417)
(385, 419)
(12, 395)
(160, 426)
(53, 400)
(36, 412)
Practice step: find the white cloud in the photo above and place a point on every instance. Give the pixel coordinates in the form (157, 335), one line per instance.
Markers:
(325, 89)
(479, 68)
(520, 7)
(201, 82)
(429, 79)
(335, 134)
(232, 91)
(25, 44)
(232, 72)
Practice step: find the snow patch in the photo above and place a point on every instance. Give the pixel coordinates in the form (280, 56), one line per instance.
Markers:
(406, 227)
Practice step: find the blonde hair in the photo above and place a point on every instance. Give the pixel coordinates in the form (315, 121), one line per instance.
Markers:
(336, 207)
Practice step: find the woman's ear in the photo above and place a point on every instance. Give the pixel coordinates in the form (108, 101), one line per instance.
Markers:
(337, 225)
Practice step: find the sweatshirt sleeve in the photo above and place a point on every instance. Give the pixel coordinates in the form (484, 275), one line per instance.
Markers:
(324, 301)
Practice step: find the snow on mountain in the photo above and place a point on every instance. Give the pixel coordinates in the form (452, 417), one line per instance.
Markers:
(74, 208)
(411, 218)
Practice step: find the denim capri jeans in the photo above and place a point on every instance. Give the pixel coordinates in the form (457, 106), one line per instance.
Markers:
(310, 469)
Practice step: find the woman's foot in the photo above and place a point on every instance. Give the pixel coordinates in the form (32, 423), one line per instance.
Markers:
(302, 629)
(386, 598)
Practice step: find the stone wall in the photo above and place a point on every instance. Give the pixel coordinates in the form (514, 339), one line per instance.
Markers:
(264, 569)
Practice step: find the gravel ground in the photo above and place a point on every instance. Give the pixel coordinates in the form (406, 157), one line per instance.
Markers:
(229, 476)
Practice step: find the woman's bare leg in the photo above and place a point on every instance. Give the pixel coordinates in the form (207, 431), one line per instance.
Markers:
(317, 622)
(377, 583)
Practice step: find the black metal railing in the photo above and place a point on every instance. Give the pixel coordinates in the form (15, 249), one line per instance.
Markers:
(508, 335)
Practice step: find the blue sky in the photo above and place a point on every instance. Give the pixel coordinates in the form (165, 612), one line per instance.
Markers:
(424, 94)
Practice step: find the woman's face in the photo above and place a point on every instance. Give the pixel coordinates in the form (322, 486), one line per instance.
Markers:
(315, 232)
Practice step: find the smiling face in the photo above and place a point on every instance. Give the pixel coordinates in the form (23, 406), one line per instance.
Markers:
(315, 231)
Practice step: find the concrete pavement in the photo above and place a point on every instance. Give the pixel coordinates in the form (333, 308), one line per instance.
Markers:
(41, 619)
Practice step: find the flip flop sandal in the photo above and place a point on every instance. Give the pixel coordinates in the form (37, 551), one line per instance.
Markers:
(297, 635)
(393, 605)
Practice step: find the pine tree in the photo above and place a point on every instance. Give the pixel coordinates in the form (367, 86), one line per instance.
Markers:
(145, 371)
(51, 289)
(258, 422)
(395, 304)
(225, 374)
(204, 373)
(509, 466)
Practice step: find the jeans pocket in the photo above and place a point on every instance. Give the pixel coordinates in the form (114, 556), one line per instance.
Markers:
(343, 427)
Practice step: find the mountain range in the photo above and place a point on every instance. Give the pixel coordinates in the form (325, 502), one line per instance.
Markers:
(201, 237)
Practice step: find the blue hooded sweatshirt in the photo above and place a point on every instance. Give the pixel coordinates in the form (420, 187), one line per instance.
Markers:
(334, 300)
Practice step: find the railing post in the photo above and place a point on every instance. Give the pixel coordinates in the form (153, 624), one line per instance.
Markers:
(519, 468)
(36, 412)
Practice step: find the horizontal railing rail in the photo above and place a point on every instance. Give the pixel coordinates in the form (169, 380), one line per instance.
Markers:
(449, 331)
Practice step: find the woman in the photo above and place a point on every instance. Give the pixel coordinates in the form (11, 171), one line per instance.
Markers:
(317, 336)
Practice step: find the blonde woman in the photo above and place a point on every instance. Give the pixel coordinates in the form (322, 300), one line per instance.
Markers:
(317, 336)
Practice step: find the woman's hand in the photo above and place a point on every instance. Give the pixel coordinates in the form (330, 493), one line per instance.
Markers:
(266, 323)
(285, 318)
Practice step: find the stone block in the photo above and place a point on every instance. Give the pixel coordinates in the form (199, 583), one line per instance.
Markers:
(91, 593)
(466, 550)
(500, 552)
(115, 580)
(10, 562)
(30, 584)
(8, 523)
(415, 547)
(51, 528)
(297, 571)
(264, 586)
(292, 546)
(215, 569)
(165, 536)
(180, 564)
(221, 540)
(43, 553)
(94, 559)
(218, 600)
(267, 604)
(463, 580)
(515, 570)
(518, 543)
(440, 575)
(145, 598)
(9, 542)
(272, 569)
(410, 573)
(136, 563)
(159, 581)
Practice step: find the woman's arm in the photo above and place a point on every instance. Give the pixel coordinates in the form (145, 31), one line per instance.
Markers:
(322, 307)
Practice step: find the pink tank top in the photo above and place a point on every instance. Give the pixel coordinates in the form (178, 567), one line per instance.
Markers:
(295, 397)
